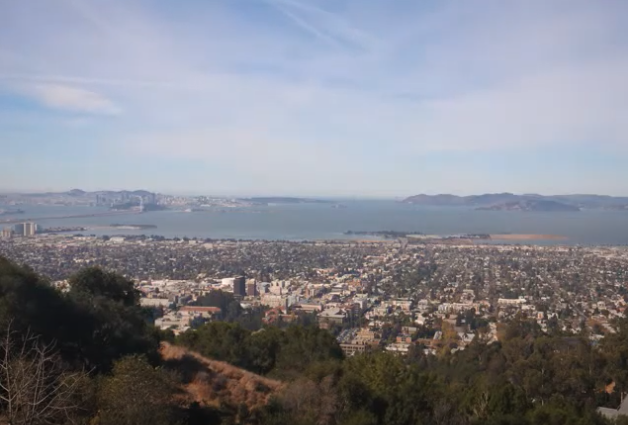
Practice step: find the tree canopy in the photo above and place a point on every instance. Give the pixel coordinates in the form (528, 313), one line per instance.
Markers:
(97, 334)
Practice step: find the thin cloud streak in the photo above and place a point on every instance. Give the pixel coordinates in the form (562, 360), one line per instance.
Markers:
(84, 81)
(340, 27)
(72, 99)
(304, 25)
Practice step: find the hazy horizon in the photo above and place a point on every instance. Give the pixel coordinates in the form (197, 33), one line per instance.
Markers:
(315, 195)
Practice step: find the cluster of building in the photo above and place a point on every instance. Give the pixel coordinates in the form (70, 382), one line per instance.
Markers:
(107, 198)
(27, 229)
(403, 298)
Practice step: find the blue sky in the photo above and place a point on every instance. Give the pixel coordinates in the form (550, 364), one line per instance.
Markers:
(315, 97)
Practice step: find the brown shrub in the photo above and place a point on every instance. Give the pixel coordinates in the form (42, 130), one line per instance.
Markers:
(213, 383)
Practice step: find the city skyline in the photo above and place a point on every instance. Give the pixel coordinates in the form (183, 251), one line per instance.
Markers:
(314, 98)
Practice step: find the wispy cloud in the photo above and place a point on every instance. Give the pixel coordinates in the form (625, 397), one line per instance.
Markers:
(71, 99)
(325, 25)
(326, 82)
(66, 79)
(304, 25)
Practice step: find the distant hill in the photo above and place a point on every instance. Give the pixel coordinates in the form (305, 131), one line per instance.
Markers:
(530, 205)
(77, 193)
(453, 200)
(493, 198)
(528, 202)
(122, 192)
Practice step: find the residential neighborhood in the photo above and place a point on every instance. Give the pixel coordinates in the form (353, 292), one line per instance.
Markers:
(386, 294)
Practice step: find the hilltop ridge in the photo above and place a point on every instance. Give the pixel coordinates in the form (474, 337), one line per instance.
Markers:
(527, 202)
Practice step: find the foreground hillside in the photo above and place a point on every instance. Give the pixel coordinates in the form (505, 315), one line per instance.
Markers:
(89, 356)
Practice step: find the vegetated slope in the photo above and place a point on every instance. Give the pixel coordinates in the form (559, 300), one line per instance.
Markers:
(212, 383)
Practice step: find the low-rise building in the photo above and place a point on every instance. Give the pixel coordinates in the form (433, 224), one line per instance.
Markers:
(332, 316)
(155, 302)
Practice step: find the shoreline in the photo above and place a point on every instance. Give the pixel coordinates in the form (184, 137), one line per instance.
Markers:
(504, 240)
(430, 241)
(527, 237)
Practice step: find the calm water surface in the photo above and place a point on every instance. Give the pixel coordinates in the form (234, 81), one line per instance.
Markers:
(321, 221)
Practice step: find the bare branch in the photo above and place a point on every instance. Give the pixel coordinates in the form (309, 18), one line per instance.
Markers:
(33, 385)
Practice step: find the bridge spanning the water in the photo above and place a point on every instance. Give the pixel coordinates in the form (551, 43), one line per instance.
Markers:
(63, 217)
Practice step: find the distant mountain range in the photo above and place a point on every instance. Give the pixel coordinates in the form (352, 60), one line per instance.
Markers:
(78, 193)
(530, 205)
(488, 201)
(527, 202)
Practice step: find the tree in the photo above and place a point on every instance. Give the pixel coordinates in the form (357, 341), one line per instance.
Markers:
(109, 321)
(34, 387)
(263, 347)
(304, 345)
(614, 347)
(95, 282)
(137, 394)
(221, 341)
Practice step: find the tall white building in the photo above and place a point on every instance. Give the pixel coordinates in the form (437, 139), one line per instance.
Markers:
(26, 229)
(30, 229)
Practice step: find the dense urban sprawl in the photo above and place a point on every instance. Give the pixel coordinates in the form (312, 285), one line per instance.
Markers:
(402, 297)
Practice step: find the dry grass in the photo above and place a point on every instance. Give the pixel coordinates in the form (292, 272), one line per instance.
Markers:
(212, 382)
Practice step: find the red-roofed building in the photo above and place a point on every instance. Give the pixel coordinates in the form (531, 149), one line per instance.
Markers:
(197, 311)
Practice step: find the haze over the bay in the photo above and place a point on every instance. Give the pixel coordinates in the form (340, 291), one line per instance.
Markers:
(314, 98)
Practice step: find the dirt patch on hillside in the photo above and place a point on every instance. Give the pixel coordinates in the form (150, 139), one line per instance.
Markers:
(211, 382)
